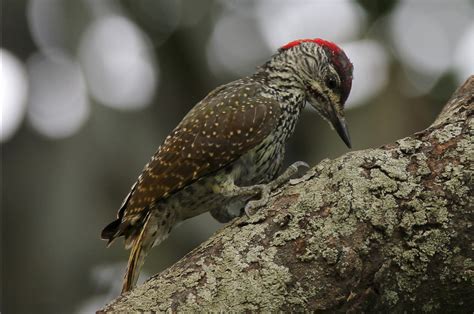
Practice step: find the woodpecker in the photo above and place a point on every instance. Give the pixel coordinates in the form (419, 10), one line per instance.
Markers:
(225, 155)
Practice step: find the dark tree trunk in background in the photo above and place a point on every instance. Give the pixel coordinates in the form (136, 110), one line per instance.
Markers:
(386, 229)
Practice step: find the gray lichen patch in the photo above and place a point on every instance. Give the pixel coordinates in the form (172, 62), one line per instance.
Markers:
(394, 168)
(224, 279)
(447, 133)
(409, 145)
(414, 261)
(227, 289)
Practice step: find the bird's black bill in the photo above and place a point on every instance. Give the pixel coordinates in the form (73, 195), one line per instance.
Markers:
(340, 125)
(341, 128)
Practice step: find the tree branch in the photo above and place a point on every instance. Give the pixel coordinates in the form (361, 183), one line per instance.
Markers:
(373, 230)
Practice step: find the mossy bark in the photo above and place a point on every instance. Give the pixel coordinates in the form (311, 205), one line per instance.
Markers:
(386, 229)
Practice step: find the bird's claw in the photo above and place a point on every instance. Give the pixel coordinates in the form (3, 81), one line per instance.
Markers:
(253, 205)
(300, 164)
(300, 167)
(266, 189)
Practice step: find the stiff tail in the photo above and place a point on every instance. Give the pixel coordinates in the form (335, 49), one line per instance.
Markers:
(140, 248)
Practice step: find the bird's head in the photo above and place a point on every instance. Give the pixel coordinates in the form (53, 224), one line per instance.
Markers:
(326, 75)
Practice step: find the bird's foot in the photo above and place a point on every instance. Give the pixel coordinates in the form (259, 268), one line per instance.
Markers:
(265, 189)
(252, 206)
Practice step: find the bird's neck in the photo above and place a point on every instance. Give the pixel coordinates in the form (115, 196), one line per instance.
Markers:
(281, 82)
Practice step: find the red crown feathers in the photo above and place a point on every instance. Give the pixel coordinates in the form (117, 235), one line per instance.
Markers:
(339, 59)
(330, 45)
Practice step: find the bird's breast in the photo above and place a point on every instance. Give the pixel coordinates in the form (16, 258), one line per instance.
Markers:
(261, 164)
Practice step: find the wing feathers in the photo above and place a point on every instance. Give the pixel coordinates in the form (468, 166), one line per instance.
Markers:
(218, 130)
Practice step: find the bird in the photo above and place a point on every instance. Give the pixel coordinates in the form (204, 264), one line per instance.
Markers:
(225, 157)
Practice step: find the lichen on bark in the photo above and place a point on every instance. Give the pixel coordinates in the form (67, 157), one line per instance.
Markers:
(373, 230)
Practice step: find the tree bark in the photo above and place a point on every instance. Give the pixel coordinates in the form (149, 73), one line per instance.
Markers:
(385, 229)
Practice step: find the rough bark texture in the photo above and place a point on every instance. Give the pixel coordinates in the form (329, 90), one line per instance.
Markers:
(386, 229)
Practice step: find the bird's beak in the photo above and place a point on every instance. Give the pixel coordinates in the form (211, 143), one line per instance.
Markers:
(339, 123)
(335, 117)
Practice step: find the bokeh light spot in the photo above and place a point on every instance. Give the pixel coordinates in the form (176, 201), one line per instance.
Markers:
(370, 70)
(284, 21)
(13, 92)
(425, 37)
(118, 66)
(464, 56)
(235, 46)
(46, 23)
(58, 103)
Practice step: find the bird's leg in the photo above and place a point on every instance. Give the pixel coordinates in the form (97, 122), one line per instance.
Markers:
(263, 190)
(268, 188)
(288, 174)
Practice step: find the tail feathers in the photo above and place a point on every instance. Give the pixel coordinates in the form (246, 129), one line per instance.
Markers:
(141, 245)
(117, 227)
(111, 231)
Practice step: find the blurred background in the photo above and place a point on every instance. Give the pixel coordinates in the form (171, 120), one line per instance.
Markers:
(90, 89)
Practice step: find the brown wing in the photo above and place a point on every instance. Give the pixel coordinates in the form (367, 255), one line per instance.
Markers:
(222, 127)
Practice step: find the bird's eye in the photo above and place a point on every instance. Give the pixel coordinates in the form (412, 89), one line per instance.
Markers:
(331, 83)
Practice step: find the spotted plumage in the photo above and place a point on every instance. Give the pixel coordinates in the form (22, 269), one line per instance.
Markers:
(229, 148)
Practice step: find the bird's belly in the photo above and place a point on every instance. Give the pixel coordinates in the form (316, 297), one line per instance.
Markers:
(196, 198)
(261, 164)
